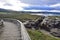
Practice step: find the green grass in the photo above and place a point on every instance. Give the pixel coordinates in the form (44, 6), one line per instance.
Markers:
(37, 35)
(54, 17)
(34, 34)
(21, 17)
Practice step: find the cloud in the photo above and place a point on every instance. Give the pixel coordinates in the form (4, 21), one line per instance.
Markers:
(36, 10)
(48, 8)
(55, 5)
(31, 5)
(12, 4)
(43, 10)
(50, 5)
(39, 8)
(41, 2)
(54, 11)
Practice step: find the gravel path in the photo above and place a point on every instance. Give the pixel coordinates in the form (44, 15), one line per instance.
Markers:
(10, 32)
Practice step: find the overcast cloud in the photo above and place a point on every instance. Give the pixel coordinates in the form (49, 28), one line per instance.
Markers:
(41, 2)
(12, 4)
(32, 5)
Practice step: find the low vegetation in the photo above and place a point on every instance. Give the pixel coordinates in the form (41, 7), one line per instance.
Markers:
(34, 34)
(21, 17)
(37, 35)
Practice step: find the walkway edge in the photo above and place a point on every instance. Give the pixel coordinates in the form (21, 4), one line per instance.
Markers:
(24, 33)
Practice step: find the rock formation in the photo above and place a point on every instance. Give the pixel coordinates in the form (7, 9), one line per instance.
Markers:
(48, 24)
(51, 25)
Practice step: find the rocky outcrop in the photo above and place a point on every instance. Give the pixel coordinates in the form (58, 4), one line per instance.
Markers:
(51, 25)
(34, 24)
(30, 24)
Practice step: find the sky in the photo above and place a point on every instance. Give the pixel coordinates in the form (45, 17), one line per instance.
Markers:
(31, 5)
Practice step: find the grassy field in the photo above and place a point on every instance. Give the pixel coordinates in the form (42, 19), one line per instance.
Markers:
(37, 35)
(21, 17)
